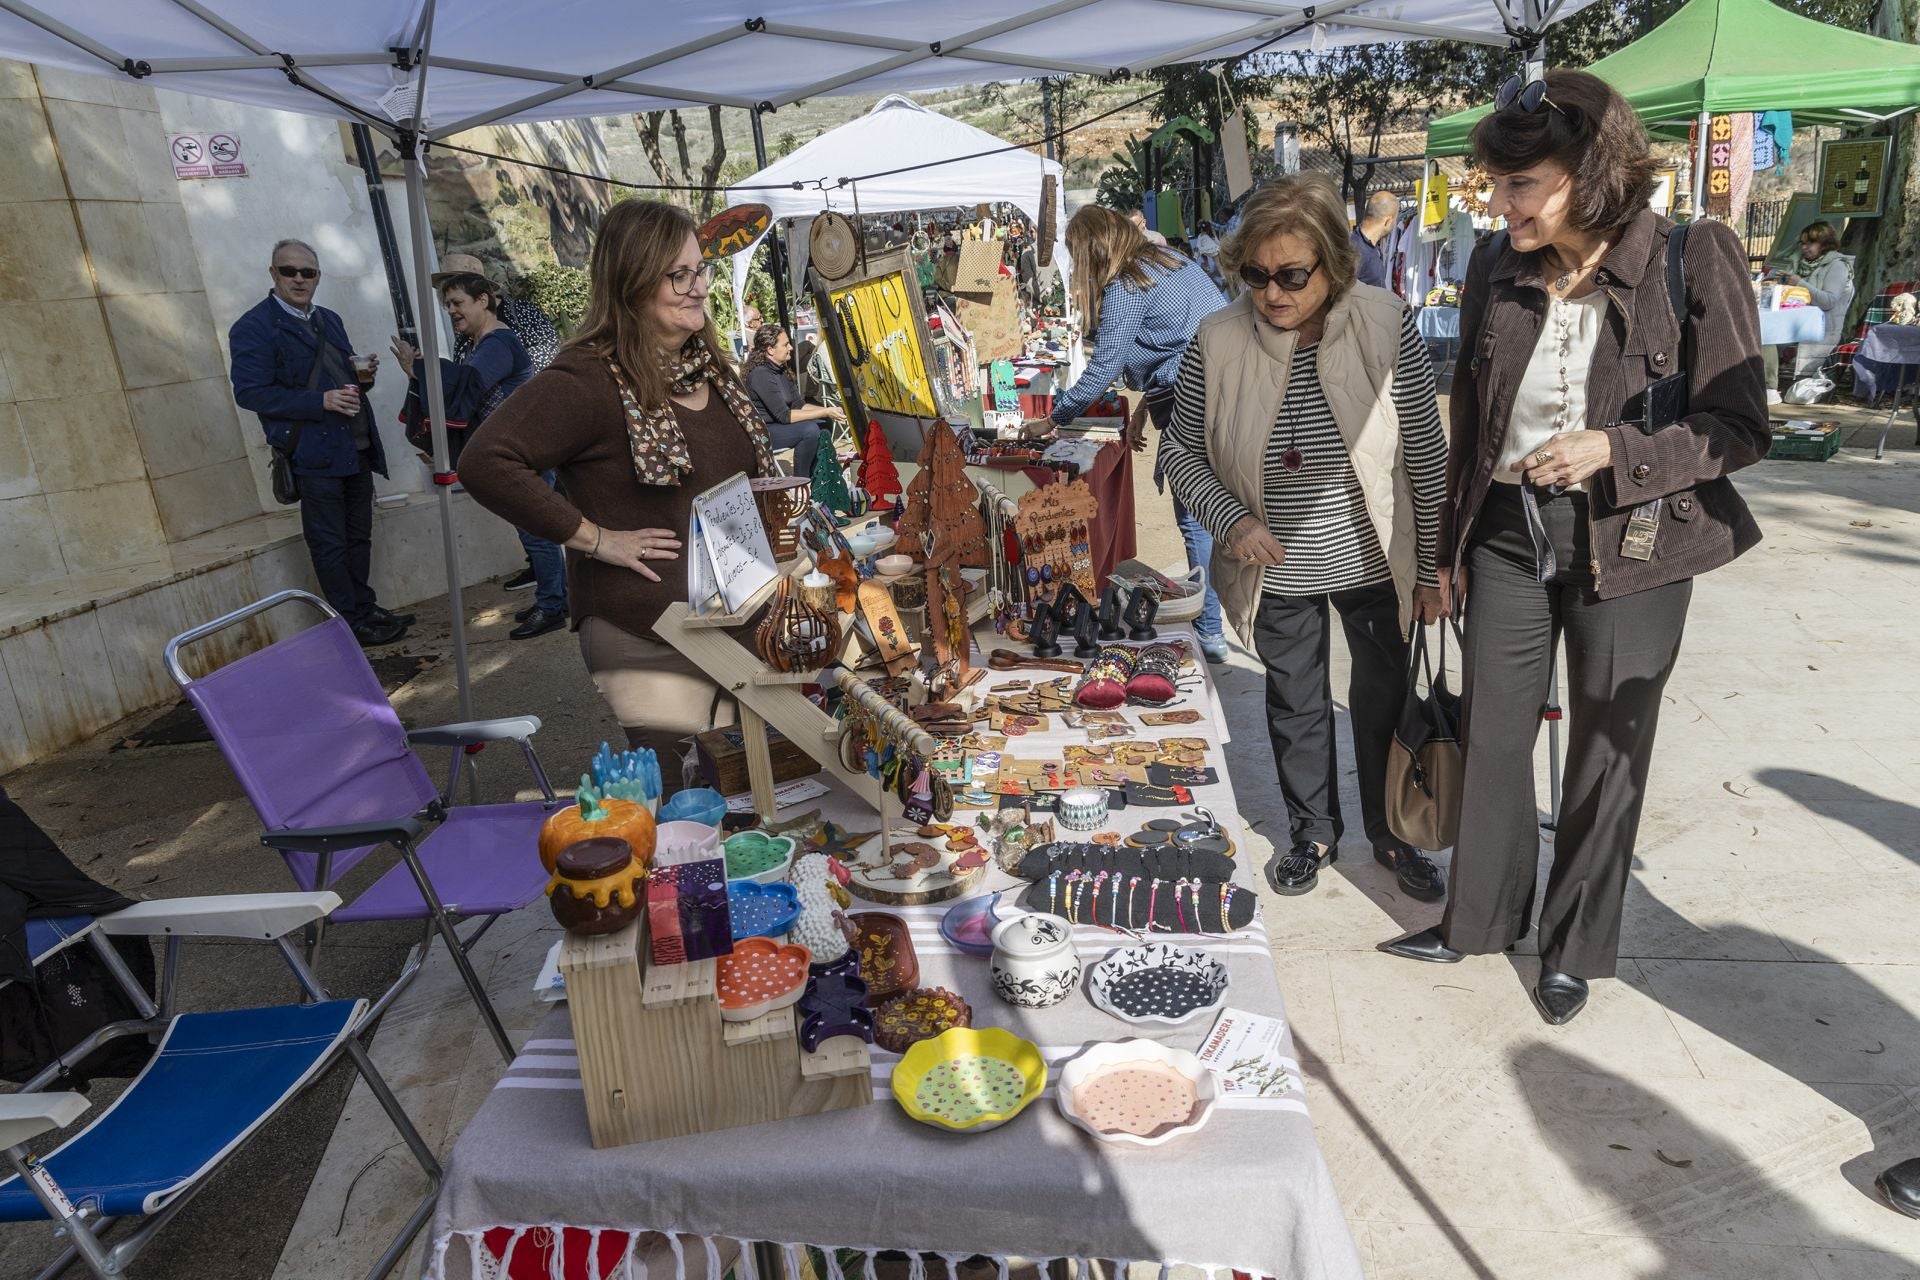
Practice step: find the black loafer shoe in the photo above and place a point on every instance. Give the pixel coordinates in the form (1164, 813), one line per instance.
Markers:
(1425, 945)
(1298, 870)
(1901, 1186)
(377, 631)
(404, 619)
(1418, 876)
(526, 613)
(519, 581)
(538, 625)
(1559, 995)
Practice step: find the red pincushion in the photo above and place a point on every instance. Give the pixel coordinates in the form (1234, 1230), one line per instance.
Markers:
(1151, 687)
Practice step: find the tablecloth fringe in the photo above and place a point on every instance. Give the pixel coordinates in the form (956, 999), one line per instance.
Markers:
(481, 1264)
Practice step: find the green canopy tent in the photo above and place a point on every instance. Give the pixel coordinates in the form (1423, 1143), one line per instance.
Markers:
(1717, 56)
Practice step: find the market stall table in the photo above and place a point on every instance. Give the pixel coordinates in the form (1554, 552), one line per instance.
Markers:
(1249, 1191)
(1787, 325)
(1888, 360)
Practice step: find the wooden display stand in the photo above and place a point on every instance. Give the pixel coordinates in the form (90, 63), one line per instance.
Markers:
(656, 1060)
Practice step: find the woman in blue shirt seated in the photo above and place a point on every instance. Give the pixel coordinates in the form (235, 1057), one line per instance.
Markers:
(770, 385)
(1141, 303)
(493, 368)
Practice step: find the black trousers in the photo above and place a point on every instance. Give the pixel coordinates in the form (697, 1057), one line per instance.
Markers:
(336, 517)
(1619, 655)
(1292, 635)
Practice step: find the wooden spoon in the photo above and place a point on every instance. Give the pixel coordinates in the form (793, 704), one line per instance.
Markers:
(1008, 660)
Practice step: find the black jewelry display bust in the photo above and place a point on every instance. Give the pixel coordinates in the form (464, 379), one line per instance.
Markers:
(1142, 608)
(1075, 615)
(1110, 611)
(1045, 630)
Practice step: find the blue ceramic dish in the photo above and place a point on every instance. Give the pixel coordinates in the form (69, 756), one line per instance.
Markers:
(968, 924)
(696, 804)
(761, 910)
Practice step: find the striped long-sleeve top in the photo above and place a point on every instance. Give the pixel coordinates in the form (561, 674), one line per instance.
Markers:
(1142, 333)
(1317, 512)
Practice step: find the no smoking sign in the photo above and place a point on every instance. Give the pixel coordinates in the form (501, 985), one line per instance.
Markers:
(216, 155)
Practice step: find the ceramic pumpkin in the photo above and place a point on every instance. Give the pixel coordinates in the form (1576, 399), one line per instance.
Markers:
(590, 818)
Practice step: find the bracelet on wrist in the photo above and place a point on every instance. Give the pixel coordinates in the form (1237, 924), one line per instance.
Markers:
(595, 553)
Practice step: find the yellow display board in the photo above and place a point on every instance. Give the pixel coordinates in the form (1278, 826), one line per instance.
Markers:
(886, 340)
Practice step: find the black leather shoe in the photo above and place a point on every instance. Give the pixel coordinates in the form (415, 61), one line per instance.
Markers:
(1425, 945)
(1901, 1186)
(526, 613)
(520, 581)
(1559, 995)
(1418, 876)
(1296, 871)
(377, 631)
(538, 625)
(404, 619)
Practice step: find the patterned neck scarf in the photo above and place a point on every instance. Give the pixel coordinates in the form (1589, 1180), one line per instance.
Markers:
(659, 446)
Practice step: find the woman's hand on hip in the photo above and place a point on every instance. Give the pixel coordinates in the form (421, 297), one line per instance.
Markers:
(1452, 592)
(1567, 458)
(633, 548)
(1429, 605)
(1251, 542)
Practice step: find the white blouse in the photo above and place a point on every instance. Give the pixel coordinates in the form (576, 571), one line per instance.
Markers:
(1552, 396)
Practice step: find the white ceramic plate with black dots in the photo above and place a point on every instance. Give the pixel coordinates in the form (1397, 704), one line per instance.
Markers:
(1155, 982)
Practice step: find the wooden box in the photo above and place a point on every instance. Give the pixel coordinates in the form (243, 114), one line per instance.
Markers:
(657, 1061)
(723, 759)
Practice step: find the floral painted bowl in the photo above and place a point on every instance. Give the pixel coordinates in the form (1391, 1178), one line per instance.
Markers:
(760, 975)
(761, 910)
(1137, 1092)
(1157, 983)
(969, 1081)
(759, 857)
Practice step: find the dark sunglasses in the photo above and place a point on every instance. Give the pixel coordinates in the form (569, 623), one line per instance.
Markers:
(304, 273)
(1290, 279)
(1531, 95)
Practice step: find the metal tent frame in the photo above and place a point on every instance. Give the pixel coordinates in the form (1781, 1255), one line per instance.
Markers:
(964, 57)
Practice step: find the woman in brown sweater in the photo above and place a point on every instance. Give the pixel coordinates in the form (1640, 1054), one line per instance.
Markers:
(638, 414)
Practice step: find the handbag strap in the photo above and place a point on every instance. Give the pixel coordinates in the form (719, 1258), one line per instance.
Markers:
(1677, 291)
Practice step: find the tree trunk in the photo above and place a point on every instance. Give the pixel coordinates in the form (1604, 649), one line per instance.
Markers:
(1887, 248)
(648, 127)
(707, 199)
(680, 145)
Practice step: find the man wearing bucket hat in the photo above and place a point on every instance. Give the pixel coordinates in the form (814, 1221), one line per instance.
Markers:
(537, 334)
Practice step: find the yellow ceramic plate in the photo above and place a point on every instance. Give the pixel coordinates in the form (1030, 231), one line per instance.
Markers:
(969, 1080)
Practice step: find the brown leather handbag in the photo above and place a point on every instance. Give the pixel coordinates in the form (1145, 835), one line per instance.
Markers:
(1424, 768)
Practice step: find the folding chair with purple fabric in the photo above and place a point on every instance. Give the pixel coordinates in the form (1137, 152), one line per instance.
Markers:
(318, 749)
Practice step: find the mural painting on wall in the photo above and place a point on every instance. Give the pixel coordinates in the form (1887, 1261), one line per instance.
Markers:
(511, 217)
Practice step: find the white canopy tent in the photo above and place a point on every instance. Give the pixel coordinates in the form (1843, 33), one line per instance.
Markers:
(422, 70)
(793, 186)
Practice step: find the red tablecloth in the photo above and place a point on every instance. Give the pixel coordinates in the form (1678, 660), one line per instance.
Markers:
(1111, 480)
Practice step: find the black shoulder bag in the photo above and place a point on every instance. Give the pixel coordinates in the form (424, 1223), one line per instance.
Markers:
(286, 491)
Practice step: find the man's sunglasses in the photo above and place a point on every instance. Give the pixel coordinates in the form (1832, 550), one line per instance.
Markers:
(304, 273)
(1290, 279)
(1531, 95)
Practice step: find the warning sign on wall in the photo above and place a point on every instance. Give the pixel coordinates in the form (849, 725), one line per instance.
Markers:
(216, 155)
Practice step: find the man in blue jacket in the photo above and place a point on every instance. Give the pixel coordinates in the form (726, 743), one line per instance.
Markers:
(293, 365)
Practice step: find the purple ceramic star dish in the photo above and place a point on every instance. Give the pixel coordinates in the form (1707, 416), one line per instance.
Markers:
(835, 1004)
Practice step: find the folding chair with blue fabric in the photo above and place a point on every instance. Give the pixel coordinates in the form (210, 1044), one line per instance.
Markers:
(318, 749)
(213, 1081)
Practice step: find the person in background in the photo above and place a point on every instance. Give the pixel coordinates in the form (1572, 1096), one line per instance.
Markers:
(1829, 279)
(293, 365)
(1306, 435)
(639, 414)
(1207, 249)
(789, 419)
(1383, 209)
(537, 334)
(1139, 220)
(494, 367)
(1570, 517)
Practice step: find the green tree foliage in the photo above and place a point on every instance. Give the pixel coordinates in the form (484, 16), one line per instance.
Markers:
(559, 291)
(1023, 102)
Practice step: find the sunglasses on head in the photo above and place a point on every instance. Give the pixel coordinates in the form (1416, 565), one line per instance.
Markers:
(304, 273)
(1530, 95)
(1290, 279)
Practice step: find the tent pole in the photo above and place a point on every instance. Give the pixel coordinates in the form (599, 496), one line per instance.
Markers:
(443, 476)
(775, 258)
(1700, 169)
(383, 229)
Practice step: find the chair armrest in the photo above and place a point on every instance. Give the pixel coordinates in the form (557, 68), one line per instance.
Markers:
(228, 915)
(25, 1116)
(350, 835)
(507, 729)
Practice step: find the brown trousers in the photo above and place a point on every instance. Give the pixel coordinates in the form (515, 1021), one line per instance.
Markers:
(1619, 655)
(660, 698)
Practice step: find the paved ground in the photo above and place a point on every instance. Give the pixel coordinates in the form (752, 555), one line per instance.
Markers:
(1719, 1110)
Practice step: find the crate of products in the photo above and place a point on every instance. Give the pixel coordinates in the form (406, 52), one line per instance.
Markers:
(1805, 441)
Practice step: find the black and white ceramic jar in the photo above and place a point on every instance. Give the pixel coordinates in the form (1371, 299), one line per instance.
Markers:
(1034, 963)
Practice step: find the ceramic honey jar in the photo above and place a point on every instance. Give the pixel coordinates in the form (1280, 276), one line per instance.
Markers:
(1034, 963)
(598, 886)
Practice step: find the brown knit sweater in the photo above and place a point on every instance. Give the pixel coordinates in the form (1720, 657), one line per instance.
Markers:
(568, 418)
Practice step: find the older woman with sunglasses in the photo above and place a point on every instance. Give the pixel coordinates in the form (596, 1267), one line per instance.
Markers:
(639, 413)
(1613, 384)
(1306, 436)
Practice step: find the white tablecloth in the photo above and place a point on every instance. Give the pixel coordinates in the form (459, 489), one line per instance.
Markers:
(1792, 324)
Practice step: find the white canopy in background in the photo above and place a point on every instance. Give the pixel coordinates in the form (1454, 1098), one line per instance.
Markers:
(899, 133)
(426, 69)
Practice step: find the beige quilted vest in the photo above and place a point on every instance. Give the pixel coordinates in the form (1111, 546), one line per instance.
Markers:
(1247, 362)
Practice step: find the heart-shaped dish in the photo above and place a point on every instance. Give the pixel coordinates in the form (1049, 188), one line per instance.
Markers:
(760, 975)
(761, 910)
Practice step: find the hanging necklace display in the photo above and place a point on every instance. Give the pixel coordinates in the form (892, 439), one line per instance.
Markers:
(1053, 523)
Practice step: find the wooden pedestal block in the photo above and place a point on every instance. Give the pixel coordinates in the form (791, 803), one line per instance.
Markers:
(657, 1061)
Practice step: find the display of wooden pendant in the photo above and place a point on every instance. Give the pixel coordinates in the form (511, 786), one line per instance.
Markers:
(942, 503)
(795, 636)
(1110, 623)
(1075, 613)
(1142, 608)
(782, 500)
(1045, 630)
